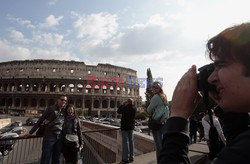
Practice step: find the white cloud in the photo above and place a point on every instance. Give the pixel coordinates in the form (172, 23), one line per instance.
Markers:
(52, 2)
(95, 28)
(53, 54)
(25, 22)
(10, 51)
(18, 37)
(52, 21)
(51, 39)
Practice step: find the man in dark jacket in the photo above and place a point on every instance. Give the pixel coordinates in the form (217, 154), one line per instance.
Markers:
(53, 117)
(231, 77)
(127, 110)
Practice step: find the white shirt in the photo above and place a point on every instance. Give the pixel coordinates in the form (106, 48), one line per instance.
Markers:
(206, 124)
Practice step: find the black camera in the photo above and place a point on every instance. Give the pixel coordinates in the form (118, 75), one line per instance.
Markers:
(204, 72)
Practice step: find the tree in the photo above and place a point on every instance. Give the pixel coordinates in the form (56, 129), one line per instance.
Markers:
(149, 94)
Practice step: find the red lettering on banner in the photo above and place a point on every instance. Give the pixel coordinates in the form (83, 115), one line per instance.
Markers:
(90, 81)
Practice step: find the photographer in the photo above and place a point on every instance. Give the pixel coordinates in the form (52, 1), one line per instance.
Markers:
(231, 55)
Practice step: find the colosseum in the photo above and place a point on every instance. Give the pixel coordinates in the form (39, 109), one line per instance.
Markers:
(29, 86)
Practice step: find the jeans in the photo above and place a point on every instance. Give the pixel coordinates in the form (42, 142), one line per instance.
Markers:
(52, 146)
(158, 137)
(127, 145)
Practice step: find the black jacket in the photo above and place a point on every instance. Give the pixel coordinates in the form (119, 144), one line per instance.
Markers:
(56, 118)
(175, 146)
(128, 116)
(72, 126)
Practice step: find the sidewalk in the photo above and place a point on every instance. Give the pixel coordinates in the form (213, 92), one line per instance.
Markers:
(197, 153)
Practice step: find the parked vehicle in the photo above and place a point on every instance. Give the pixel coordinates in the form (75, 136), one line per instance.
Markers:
(7, 145)
(31, 120)
(19, 130)
(16, 124)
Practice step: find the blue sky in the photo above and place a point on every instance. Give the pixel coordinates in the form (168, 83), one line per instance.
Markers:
(167, 36)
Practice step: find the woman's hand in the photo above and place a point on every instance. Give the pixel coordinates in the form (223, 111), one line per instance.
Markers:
(186, 96)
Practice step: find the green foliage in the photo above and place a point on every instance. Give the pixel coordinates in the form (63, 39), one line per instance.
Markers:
(79, 112)
(141, 115)
(148, 92)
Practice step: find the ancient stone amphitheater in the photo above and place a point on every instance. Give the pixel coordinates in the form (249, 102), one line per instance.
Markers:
(29, 86)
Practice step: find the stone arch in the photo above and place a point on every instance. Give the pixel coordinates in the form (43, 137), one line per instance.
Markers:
(104, 104)
(112, 104)
(3, 102)
(71, 87)
(5, 87)
(79, 88)
(51, 102)
(9, 102)
(96, 104)
(70, 101)
(19, 87)
(78, 103)
(25, 102)
(44, 87)
(42, 103)
(52, 87)
(62, 87)
(118, 103)
(27, 87)
(35, 87)
(12, 87)
(33, 102)
(87, 104)
(17, 102)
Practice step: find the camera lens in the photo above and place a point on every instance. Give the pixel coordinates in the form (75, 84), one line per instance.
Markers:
(204, 72)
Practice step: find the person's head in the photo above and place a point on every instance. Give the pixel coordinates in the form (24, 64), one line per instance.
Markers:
(61, 101)
(230, 51)
(129, 101)
(157, 87)
(70, 110)
(232, 45)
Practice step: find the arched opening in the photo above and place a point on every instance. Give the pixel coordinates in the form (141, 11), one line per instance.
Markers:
(72, 87)
(9, 102)
(33, 102)
(51, 102)
(17, 102)
(112, 104)
(104, 104)
(42, 103)
(19, 87)
(78, 103)
(44, 87)
(96, 104)
(52, 87)
(25, 102)
(27, 87)
(35, 87)
(79, 88)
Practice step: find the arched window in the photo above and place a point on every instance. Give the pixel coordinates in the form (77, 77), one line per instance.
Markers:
(33, 102)
(51, 102)
(17, 102)
(52, 87)
(104, 104)
(42, 103)
(96, 104)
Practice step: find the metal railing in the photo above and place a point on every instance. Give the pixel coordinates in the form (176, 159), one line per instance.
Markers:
(22, 150)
